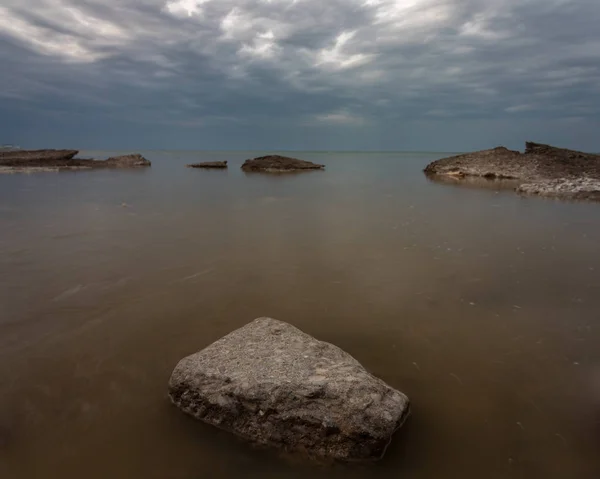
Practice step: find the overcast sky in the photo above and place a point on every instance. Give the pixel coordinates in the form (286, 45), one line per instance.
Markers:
(433, 75)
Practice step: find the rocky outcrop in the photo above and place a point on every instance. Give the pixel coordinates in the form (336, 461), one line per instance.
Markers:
(496, 163)
(209, 164)
(125, 161)
(542, 169)
(275, 385)
(55, 160)
(278, 164)
(35, 157)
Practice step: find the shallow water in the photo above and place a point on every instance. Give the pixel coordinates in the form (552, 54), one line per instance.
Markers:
(482, 306)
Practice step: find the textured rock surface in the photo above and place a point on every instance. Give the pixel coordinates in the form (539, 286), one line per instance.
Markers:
(276, 163)
(209, 164)
(496, 163)
(557, 171)
(126, 161)
(273, 384)
(575, 188)
(24, 161)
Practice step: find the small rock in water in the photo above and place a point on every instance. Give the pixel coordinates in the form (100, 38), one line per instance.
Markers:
(274, 385)
(277, 163)
(209, 164)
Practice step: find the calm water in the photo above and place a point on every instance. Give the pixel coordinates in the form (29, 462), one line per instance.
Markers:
(482, 306)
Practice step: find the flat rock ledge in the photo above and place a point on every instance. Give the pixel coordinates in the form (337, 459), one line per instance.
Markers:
(272, 384)
(31, 161)
(209, 164)
(542, 170)
(279, 164)
(576, 188)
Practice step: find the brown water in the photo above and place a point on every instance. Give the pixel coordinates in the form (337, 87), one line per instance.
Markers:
(482, 306)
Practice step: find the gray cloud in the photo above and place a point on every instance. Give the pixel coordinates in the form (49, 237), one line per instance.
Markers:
(425, 74)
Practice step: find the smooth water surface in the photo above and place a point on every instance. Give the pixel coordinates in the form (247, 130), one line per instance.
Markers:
(482, 306)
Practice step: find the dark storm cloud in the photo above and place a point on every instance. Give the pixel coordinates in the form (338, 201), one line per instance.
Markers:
(365, 67)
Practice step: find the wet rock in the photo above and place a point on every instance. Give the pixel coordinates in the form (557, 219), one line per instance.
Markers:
(573, 188)
(11, 170)
(274, 385)
(276, 163)
(209, 164)
(542, 169)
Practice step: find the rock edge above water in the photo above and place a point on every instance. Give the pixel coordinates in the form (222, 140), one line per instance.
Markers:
(272, 384)
(56, 160)
(543, 170)
(209, 164)
(568, 188)
(279, 164)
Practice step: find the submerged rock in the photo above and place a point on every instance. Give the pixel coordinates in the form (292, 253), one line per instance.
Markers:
(542, 169)
(274, 385)
(276, 163)
(209, 164)
(28, 161)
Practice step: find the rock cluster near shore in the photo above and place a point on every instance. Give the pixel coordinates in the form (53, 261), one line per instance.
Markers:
(272, 384)
(209, 164)
(279, 164)
(57, 160)
(543, 170)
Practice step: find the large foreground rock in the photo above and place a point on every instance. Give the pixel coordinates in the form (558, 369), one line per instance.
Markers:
(276, 164)
(275, 385)
(542, 169)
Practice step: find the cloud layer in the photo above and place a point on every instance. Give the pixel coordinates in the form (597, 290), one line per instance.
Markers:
(373, 74)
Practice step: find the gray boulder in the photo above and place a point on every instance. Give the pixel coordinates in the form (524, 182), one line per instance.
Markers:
(274, 385)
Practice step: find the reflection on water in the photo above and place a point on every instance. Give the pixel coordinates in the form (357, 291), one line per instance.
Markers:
(474, 182)
(481, 306)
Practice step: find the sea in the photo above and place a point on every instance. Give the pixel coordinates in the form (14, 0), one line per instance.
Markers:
(479, 304)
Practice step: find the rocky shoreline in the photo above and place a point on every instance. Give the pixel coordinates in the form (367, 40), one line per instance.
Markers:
(31, 161)
(541, 170)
